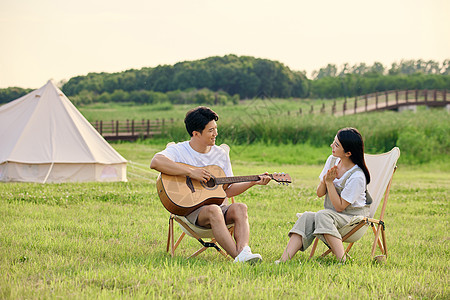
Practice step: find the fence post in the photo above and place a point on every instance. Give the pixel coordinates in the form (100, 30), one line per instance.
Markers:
(300, 111)
(387, 98)
(406, 96)
(156, 126)
(367, 100)
(148, 128)
(376, 100)
(322, 110)
(101, 127)
(356, 100)
(344, 107)
(117, 128)
(396, 97)
(132, 127)
(312, 110)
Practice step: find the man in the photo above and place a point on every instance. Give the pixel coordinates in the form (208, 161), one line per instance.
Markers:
(201, 151)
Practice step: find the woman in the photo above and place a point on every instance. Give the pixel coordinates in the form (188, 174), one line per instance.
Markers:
(343, 182)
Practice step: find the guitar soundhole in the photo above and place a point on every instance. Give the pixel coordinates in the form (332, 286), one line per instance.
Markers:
(211, 183)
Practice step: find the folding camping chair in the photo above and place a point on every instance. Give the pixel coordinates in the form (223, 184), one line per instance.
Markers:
(199, 233)
(381, 168)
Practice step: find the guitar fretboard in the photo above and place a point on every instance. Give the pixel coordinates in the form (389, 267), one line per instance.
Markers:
(235, 179)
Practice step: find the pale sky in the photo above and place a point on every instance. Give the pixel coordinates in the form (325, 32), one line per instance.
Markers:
(60, 39)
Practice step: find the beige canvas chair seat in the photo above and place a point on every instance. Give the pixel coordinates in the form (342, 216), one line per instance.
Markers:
(197, 232)
(355, 221)
(381, 168)
(202, 232)
(350, 226)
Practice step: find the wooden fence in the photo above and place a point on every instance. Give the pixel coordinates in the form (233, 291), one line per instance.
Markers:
(130, 129)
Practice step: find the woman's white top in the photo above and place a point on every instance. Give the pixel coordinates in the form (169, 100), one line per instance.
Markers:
(354, 191)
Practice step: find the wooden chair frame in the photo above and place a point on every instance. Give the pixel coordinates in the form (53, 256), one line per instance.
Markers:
(379, 232)
(212, 243)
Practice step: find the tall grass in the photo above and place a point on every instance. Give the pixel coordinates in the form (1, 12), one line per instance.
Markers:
(423, 136)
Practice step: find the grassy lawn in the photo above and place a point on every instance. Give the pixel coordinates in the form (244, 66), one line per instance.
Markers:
(107, 240)
(124, 111)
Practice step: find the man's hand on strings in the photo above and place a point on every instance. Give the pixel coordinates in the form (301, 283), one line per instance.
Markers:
(200, 174)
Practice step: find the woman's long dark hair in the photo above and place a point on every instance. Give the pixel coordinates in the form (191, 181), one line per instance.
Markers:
(351, 140)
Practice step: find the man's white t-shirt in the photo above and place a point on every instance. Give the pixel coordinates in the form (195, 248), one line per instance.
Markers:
(354, 191)
(183, 153)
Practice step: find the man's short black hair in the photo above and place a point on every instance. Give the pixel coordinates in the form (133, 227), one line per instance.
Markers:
(197, 118)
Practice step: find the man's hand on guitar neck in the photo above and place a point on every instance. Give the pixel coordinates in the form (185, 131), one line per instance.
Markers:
(264, 179)
(240, 187)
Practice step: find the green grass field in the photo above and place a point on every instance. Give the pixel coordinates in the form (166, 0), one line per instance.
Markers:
(124, 111)
(107, 240)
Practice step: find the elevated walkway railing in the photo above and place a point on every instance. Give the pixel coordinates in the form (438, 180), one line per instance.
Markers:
(388, 100)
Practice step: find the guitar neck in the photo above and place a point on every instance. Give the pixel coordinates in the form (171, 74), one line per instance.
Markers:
(235, 179)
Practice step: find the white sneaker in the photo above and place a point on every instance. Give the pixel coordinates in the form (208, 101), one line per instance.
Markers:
(246, 255)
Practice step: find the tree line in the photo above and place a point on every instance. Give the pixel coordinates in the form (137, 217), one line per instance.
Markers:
(360, 79)
(221, 80)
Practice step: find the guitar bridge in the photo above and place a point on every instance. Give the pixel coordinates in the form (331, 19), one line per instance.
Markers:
(190, 184)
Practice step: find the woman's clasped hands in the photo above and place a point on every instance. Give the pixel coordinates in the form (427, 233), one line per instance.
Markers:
(330, 175)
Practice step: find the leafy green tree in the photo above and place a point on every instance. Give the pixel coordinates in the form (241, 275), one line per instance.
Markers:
(329, 71)
(250, 77)
(377, 68)
(12, 93)
(119, 96)
(243, 75)
(445, 68)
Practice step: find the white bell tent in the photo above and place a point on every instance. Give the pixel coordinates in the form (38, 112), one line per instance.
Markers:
(44, 138)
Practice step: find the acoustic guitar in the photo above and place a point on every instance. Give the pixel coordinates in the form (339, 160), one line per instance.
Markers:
(181, 195)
